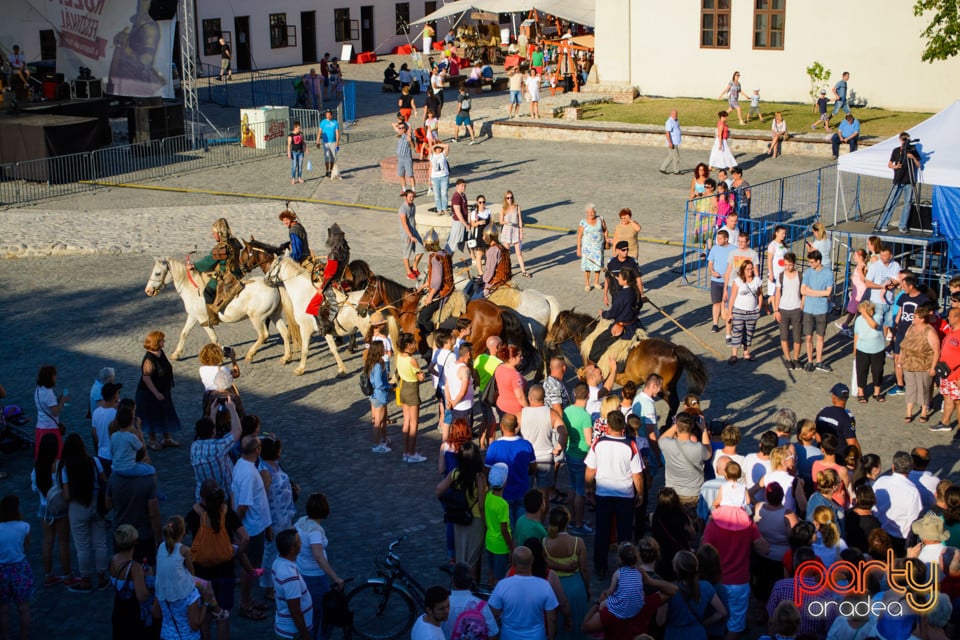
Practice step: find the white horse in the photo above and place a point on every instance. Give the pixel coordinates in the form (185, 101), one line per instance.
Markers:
(347, 321)
(537, 311)
(297, 292)
(257, 301)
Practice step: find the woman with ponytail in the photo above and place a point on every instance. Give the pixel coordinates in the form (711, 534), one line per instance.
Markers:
(567, 556)
(685, 614)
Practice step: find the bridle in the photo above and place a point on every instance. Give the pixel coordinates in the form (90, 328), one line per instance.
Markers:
(160, 277)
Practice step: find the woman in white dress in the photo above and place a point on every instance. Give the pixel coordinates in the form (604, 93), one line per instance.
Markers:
(720, 156)
(511, 228)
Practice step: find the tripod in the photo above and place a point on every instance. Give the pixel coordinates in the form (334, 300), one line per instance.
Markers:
(907, 152)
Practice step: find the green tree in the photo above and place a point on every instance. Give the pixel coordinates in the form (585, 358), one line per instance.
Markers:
(942, 35)
(819, 79)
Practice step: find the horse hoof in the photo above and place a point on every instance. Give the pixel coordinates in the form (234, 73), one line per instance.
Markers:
(249, 357)
(175, 355)
(298, 371)
(342, 374)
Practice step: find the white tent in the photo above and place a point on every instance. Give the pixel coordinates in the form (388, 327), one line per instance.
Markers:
(939, 148)
(578, 11)
(939, 145)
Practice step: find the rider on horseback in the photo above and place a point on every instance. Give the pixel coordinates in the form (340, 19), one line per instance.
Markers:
(439, 282)
(222, 265)
(338, 255)
(497, 269)
(298, 244)
(623, 313)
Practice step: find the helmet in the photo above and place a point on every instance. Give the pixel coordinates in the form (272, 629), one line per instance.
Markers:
(431, 241)
(490, 235)
(222, 228)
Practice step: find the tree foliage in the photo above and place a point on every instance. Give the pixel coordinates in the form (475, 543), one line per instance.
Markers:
(942, 35)
(819, 79)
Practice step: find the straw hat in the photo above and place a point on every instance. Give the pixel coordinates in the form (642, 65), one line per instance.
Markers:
(930, 527)
(377, 318)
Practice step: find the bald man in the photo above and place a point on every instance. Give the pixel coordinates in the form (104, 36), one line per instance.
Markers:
(523, 604)
(672, 161)
(483, 367)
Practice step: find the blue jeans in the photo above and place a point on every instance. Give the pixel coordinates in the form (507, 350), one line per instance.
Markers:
(835, 143)
(317, 586)
(906, 190)
(296, 164)
(441, 186)
(840, 104)
(517, 511)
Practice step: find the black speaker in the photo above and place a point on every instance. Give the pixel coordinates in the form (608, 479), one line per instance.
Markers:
(155, 122)
(920, 219)
(163, 9)
(53, 77)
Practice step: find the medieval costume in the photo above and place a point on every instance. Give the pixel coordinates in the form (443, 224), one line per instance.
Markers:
(298, 244)
(439, 282)
(338, 255)
(222, 265)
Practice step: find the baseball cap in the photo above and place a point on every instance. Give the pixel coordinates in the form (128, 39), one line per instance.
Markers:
(823, 92)
(840, 390)
(498, 475)
(622, 245)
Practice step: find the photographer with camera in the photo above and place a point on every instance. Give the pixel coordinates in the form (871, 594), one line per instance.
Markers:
(905, 162)
(217, 376)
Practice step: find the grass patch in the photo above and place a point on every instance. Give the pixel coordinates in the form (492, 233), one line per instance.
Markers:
(703, 113)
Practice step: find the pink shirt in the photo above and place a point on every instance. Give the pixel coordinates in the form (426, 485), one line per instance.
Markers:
(508, 380)
(734, 548)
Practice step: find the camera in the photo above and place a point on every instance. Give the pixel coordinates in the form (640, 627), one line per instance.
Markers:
(221, 403)
(229, 353)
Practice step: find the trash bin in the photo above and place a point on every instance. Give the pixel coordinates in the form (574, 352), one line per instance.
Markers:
(567, 82)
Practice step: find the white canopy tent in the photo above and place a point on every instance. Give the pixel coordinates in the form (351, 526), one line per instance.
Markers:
(578, 11)
(939, 148)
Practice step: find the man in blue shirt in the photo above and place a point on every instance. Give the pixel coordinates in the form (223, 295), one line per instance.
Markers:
(298, 244)
(329, 138)
(840, 95)
(848, 131)
(816, 288)
(717, 262)
(673, 145)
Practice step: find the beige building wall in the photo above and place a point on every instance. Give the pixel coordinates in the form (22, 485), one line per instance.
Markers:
(881, 49)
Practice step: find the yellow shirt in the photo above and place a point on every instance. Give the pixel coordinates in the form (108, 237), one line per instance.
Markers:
(407, 368)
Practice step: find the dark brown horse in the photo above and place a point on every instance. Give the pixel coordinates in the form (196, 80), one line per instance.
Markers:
(383, 294)
(653, 355)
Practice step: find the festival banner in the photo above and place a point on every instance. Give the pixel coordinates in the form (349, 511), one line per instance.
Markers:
(117, 40)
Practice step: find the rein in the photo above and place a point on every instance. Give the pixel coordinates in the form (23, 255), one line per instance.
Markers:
(189, 266)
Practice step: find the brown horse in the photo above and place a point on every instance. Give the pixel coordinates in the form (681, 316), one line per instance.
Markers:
(392, 297)
(488, 319)
(653, 355)
(256, 254)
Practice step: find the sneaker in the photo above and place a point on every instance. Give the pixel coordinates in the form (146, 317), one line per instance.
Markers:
(883, 229)
(381, 448)
(472, 142)
(415, 458)
(432, 209)
(70, 581)
(82, 585)
(795, 364)
(788, 364)
(728, 339)
(840, 326)
(585, 530)
(809, 367)
(941, 427)
(220, 615)
(907, 231)
(821, 366)
(896, 391)
(52, 581)
(848, 332)
(714, 329)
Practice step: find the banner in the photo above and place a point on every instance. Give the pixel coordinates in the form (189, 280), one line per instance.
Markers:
(117, 40)
(946, 205)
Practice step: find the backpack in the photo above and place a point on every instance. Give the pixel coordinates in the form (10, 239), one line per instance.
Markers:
(456, 508)
(465, 104)
(491, 393)
(470, 624)
(210, 547)
(366, 386)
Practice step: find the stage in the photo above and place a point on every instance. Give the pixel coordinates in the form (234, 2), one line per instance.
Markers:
(51, 129)
(920, 251)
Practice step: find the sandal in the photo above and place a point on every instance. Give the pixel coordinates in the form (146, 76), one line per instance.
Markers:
(732, 360)
(923, 419)
(862, 399)
(908, 420)
(879, 397)
(526, 274)
(749, 358)
(252, 613)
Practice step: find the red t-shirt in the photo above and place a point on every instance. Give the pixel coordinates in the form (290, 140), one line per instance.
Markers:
(950, 353)
(734, 548)
(508, 380)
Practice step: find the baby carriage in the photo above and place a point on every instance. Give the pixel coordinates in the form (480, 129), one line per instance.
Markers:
(12, 437)
(300, 88)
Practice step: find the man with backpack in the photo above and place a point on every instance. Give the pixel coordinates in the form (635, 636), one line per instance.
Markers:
(436, 603)
(470, 617)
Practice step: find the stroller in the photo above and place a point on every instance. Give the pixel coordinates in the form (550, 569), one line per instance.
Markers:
(300, 88)
(12, 438)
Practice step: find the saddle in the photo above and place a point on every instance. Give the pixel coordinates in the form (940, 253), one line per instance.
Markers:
(228, 288)
(453, 305)
(618, 349)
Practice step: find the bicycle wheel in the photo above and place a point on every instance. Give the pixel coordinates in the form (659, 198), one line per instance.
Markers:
(381, 612)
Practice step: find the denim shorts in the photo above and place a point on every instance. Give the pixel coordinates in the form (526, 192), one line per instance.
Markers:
(497, 564)
(578, 470)
(886, 314)
(544, 477)
(738, 599)
(515, 97)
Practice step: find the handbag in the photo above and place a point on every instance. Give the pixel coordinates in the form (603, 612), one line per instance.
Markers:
(366, 386)
(456, 508)
(943, 370)
(491, 393)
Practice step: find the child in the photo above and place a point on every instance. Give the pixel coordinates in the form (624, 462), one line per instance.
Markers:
(755, 106)
(496, 513)
(16, 577)
(828, 544)
(723, 176)
(378, 332)
(821, 106)
(625, 597)
(724, 203)
(175, 579)
(733, 493)
(730, 436)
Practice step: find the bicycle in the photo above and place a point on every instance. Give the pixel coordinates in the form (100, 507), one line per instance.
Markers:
(385, 607)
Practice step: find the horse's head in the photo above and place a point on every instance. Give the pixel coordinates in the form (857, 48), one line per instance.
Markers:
(559, 332)
(254, 254)
(158, 277)
(372, 297)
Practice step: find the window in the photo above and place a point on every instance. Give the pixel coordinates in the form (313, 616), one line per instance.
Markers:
(768, 20)
(278, 30)
(48, 45)
(403, 18)
(715, 24)
(342, 25)
(211, 37)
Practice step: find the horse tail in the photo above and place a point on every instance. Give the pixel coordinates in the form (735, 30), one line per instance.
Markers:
(290, 317)
(696, 373)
